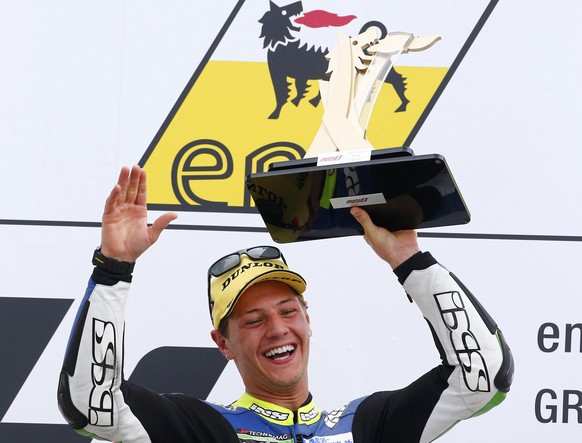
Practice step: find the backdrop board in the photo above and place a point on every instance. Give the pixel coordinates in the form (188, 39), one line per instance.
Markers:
(197, 93)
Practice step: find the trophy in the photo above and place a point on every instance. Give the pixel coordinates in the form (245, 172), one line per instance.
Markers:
(310, 198)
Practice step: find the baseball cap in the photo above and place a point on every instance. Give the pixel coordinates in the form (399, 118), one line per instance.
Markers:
(231, 275)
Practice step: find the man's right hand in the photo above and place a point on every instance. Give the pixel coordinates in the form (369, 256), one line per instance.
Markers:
(392, 247)
(125, 234)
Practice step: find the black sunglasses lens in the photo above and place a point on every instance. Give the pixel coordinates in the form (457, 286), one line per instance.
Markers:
(224, 264)
(231, 261)
(263, 252)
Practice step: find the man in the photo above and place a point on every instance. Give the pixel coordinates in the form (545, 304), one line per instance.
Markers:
(261, 323)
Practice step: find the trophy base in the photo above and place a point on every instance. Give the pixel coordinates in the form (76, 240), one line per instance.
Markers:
(299, 200)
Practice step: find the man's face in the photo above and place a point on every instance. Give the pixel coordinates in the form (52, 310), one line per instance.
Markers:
(268, 338)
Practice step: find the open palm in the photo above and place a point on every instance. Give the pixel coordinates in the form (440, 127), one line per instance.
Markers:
(125, 234)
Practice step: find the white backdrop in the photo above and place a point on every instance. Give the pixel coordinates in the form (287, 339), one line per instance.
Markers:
(85, 86)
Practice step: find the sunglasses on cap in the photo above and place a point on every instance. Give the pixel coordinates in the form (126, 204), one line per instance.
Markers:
(231, 261)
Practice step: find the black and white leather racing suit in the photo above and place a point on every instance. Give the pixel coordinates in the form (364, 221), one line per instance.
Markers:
(475, 375)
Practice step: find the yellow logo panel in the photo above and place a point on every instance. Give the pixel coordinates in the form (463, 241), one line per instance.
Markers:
(262, 106)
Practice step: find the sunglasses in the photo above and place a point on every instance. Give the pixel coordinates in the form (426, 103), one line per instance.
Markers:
(231, 261)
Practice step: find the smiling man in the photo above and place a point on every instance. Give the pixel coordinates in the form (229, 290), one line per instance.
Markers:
(260, 321)
(267, 336)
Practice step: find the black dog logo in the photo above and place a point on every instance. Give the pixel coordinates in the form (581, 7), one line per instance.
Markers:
(288, 57)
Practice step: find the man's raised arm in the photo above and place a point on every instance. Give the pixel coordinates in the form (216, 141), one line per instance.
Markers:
(477, 365)
(90, 393)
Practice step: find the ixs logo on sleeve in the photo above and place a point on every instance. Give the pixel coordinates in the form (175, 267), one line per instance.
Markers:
(255, 99)
(465, 344)
(102, 374)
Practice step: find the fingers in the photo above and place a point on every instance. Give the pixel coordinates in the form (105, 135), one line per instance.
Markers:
(111, 202)
(141, 197)
(116, 193)
(362, 217)
(130, 188)
(133, 184)
(160, 224)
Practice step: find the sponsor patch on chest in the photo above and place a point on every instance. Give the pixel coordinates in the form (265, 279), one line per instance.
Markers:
(339, 438)
(248, 436)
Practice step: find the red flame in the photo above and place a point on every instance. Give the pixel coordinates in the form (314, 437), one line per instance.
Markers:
(322, 19)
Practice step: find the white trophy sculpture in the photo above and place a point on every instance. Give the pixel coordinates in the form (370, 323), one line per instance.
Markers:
(357, 68)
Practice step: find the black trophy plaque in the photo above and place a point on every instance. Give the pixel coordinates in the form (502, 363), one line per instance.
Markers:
(299, 200)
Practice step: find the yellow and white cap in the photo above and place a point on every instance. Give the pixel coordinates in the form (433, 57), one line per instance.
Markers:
(225, 289)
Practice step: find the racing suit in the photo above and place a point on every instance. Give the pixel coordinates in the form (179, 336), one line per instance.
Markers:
(475, 375)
